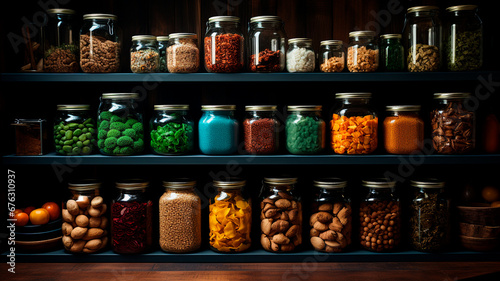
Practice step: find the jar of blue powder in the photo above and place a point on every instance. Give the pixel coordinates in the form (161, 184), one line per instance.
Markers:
(218, 129)
(305, 129)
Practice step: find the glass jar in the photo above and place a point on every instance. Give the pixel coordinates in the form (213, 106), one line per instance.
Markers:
(331, 220)
(230, 217)
(362, 53)
(100, 43)
(453, 124)
(380, 216)
(332, 56)
(280, 215)
(218, 129)
(261, 129)
(429, 216)
(60, 47)
(172, 130)
(180, 217)
(144, 54)
(267, 44)
(84, 217)
(131, 218)
(354, 124)
(74, 130)
(403, 129)
(305, 129)
(120, 124)
(300, 56)
(183, 55)
(162, 50)
(464, 38)
(423, 39)
(224, 45)
(31, 136)
(391, 53)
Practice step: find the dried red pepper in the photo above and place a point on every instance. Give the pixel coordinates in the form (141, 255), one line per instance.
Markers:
(131, 227)
(228, 53)
(268, 61)
(261, 136)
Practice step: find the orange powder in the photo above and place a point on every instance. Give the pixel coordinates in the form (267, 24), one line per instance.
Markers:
(404, 133)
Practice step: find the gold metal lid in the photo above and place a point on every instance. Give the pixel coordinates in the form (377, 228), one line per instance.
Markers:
(218, 107)
(389, 36)
(182, 35)
(231, 183)
(224, 18)
(427, 183)
(143, 37)
(305, 107)
(123, 96)
(260, 108)
(69, 107)
(280, 181)
(422, 9)
(451, 95)
(61, 11)
(265, 18)
(132, 184)
(402, 108)
(362, 33)
(331, 42)
(162, 38)
(84, 185)
(171, 107)
(330, 183)
(461, 8)
(360, 95)
(180, 183)
(300, 40)
(100, 17)
(379, 183)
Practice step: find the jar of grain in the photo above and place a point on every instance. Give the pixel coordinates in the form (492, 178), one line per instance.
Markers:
(380, 217)
(230, 217)
(429, 216)
(261, 129)
(144, 54)
(281, 215)
(180, 217)
(300, 56)
(403, 129)
(183, 55)
(362, 53)
(162, 49)
(218, 129)
(267, 44)
(131, 218)
(305, 129)
(331, 56)
(331, 221)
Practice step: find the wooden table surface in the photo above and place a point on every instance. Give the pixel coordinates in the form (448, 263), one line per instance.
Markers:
(448, 271)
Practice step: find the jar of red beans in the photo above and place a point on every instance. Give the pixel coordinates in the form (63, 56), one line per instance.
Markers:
(224, 45)
(131, 218)
(380, 217)
(261, 129)
(403, 129)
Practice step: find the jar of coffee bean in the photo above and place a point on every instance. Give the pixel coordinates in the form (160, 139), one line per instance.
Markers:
(380, 217)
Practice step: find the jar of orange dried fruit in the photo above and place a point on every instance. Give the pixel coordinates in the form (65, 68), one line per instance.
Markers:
(354, 124)
(230, 217)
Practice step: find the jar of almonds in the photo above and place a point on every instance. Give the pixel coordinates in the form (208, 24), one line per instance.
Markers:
(331, 221)
(380, 217)
(280, 215)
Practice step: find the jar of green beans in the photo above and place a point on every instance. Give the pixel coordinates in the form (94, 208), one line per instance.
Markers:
(74, 130)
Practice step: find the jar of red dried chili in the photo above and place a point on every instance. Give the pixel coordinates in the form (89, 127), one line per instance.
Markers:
(261, 129)
(224, 45)
(131, 214)
(267, 44)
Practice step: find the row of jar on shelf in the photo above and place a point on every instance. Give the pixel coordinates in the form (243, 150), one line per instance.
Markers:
(224, 46)
(353, 128)
(330, 217)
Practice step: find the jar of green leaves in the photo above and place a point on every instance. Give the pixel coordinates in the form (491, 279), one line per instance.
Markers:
(172, 130)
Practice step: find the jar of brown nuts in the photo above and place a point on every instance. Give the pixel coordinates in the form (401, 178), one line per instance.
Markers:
(280, 215)
(331, 221)
(380, 216)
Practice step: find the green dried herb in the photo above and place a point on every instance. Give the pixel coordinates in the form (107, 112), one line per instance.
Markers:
(172, 138)
(392, 55)
(464, 53)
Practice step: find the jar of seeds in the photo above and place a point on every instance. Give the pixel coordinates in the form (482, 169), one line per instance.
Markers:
(144, 54)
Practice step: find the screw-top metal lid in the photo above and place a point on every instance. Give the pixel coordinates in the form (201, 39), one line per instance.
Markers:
(84, 185)
(331, 42)
(260, 108)
(300, 40)
(280, 181)
(224, 18)
(123, 96)
(143, 37)
(162, 38)
(230, 183)
(218, 107)
(330, 183)
(180, 183)
(379, 183)
(461, 8)
(305, 107)
(182, 35)
(100, 17)
(353, 95)
(171, 107)
(422, 9)
(265, 18)
(402, 108)
(390, 36)
(70, 107)
(451, 96)
(362, 33)
(21, 122)
(61, 11)
(132, 184)
(427, 183)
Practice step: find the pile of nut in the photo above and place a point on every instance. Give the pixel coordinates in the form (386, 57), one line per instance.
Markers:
(380, 225)
(84, 226)
(452, 129)
(361, 59)
(333, 64)
(97, 54)
(423, 58)
(281, 223)
(331, 227)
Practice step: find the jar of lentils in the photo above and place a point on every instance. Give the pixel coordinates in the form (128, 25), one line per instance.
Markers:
(261, 129)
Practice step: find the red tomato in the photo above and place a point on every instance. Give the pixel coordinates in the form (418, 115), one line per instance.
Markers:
(28, 210)
(54, 210)
(22, 219)
(16, 211)
(39, 216)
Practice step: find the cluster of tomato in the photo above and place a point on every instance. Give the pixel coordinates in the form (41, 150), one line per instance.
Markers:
(48, 212)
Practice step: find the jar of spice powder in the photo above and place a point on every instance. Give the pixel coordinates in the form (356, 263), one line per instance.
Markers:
(162, 50)
(144, 54)
(180, 217)
(261, 129)
(332, 56)
(224, 45)
(218, 129)
(300, 56)
(266, 44)
(183, 55)
(131, 218)
(403, 129)
(391, 53)
(362, 53)
(305, 129)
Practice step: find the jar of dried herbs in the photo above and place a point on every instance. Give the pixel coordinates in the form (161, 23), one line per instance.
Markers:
(144, 54)
(429, 216)
(391, 53)
(464, 38)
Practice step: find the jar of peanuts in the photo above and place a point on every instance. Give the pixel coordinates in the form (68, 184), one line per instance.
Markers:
(403, 129)
(331, 221)
(354, 124)
(280, 215)
(261, 129)
(267, 44)
(332, 56)
(380, 217)
(362, 53)
(144, 54)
